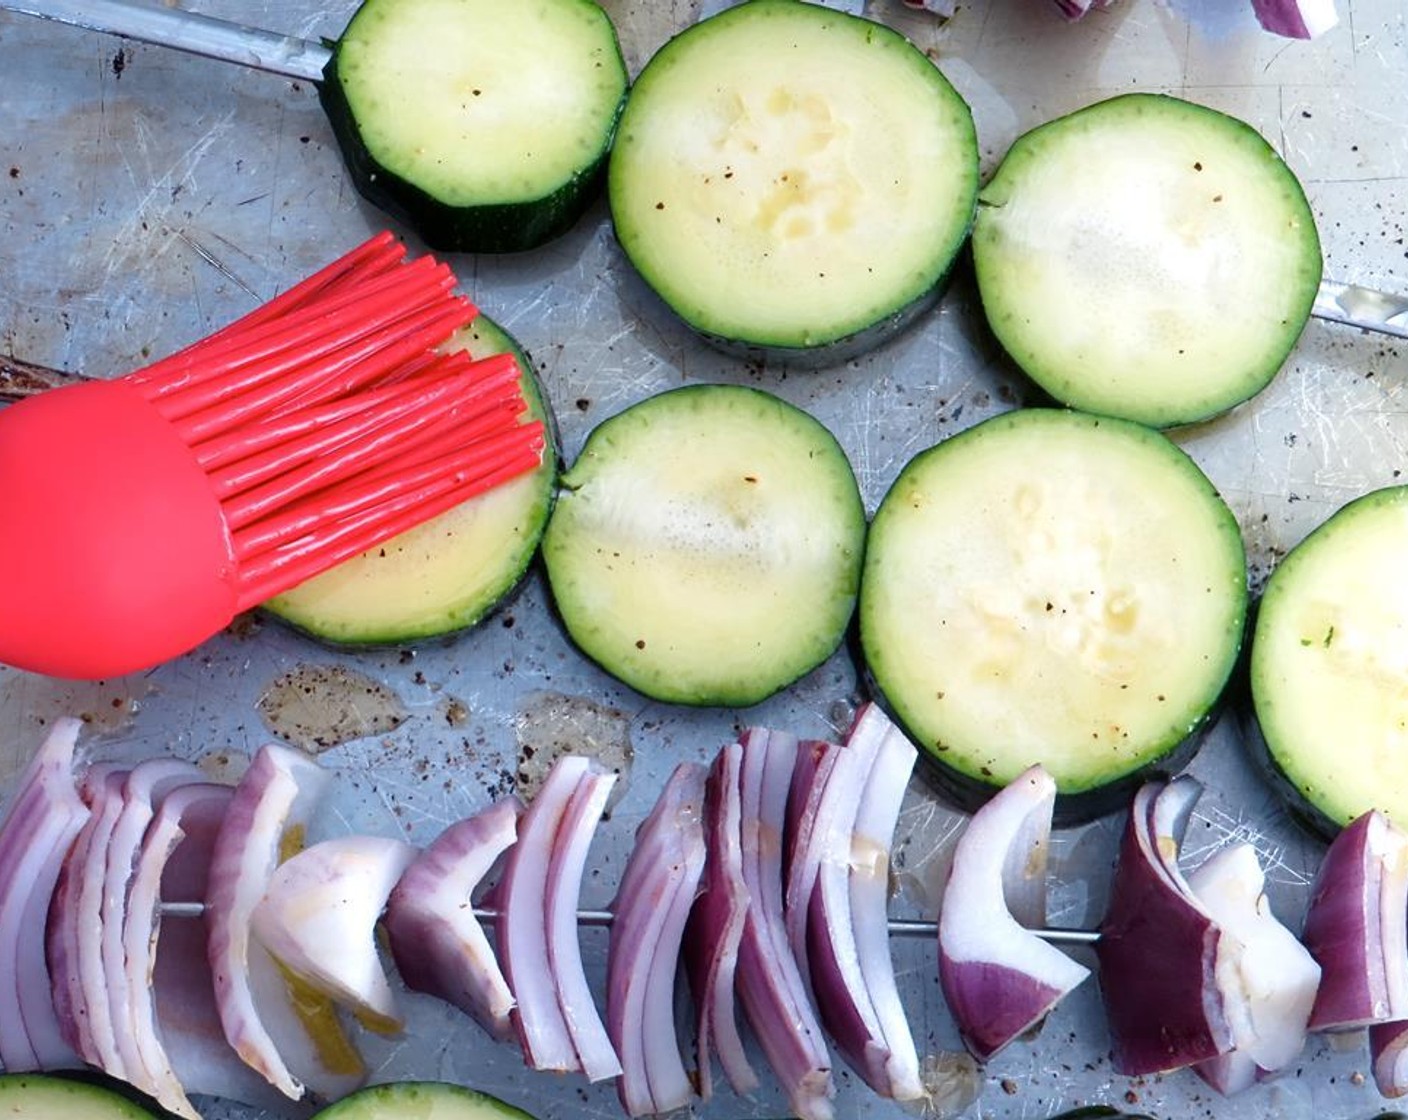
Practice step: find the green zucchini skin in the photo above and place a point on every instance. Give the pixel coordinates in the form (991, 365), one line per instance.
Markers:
(351, 607)
(706, 546)
(1328, 706)
(488, 226)
(420, 1100)
(1056, 587)
(751, 197)
(40, 1096)
(1146, 257)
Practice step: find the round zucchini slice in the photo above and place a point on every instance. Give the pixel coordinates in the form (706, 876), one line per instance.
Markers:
(420, 1100)
(484, 124)
(1146, 257)
(35, 1096)
(450, 572)
(1052, 587)
(706, 545)
(793, 180)
(1328, 657)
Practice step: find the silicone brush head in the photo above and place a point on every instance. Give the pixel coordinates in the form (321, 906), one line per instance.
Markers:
(142, 514)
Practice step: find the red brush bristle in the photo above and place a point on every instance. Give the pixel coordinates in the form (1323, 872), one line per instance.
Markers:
(327, 420)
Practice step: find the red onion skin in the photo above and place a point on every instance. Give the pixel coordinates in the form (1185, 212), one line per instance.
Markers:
(994, 1002)
(771, 987)
(40, 824)
(1157, 951)
(1285, 17)
(715, 930)
(1388, 1051)
(569, 857)
(1344, 926)
(522, 929)
(653, 901)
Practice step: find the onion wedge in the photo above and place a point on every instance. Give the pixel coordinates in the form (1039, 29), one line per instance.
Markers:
(41, 822)
(439, 946)
(554, 1015)
(1000, 978)
(1356, 926)
(318, 918)
(1266, 976)
(715, 930)
(771, 988)
(1158, 944)
(653, 902)
(262, 1015)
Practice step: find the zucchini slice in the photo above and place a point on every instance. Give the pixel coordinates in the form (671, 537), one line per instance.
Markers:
(37, 1096)
(792, 179)
(1328, 658)
(1055, 587)
(420, 1100)
(448, 573)
(706, 545)
(1146, 257)
(482, 123)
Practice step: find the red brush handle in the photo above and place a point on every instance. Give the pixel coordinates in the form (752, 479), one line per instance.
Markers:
(114, 555)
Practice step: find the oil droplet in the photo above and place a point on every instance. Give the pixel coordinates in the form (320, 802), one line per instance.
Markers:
(552, 724)
(316, 707)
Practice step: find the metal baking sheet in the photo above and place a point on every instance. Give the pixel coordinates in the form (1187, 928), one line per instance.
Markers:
(147, 197)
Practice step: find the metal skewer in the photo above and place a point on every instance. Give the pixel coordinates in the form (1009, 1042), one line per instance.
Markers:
(899, 927)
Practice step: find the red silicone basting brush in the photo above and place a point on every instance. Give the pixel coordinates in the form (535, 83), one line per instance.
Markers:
(138, 516)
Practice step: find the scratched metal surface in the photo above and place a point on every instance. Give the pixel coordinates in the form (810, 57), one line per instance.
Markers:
(147, 197)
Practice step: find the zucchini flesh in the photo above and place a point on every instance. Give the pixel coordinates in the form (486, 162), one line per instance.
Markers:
(789, 177)
(1146, 257)
(1328, 658)
(448, 573)
(706, 545)
(32, 1096)
(420, 1100)
(483, 123)
(1052, 587)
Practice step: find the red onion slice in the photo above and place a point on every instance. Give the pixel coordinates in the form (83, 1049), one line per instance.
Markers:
(139, 1033)
(653, 901)
(183, 987)
(75, 944)
(1265, 975)
(811, 822)
(1356, 926)
(318, 918)
(1158, 945)
(262, 1018)
(439, 946)
(715, 930)
(1000, 978)
(145, 788)
(771, 987)
(565, 870)
(554, 1014)
(1296, 19)
(876, 818)
(41, 822)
